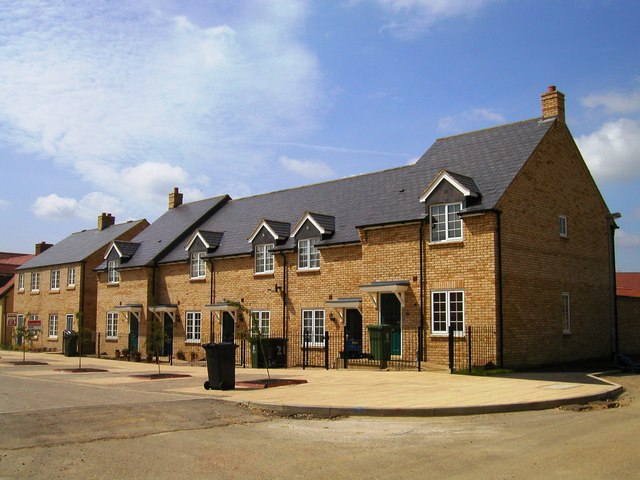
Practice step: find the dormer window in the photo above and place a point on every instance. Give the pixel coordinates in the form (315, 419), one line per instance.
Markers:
(308, 254)
(113, 276)
(264, 258)
(198, 268)
(446, 224)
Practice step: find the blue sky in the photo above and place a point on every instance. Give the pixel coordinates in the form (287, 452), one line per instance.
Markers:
(106, 106)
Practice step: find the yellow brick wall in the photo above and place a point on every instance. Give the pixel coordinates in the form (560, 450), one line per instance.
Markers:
(539, 265)
(629, 325)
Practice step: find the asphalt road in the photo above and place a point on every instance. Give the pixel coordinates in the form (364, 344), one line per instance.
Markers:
(53, 427)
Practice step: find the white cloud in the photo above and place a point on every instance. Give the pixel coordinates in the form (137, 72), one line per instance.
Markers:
(409, 18)
(471, 119)
(612, 152)
(135, 100)
(614, 102)
(627, 240)
(55, 207)
(307, 168)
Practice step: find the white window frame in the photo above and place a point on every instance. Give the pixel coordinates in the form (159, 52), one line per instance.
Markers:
(193, 327)
(53, 327)
(566, 313)
(113, 276)
(261, 320)
(564, 226)
(70, 318)
(21, 282)
(71, 277)
(54, 280)
(308, 254)
(264, 261)
(451, 220)
(111, 332)
(448, 303)
(35, 281)
(198, 267)
(313, 322)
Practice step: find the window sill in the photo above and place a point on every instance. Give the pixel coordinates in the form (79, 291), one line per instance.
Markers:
(71, 287)
(53, 338)
(113, 284)
(197, 279)
(566, 334)
(193, 342)
(54, 291)
(21, 290)
(264, 274)
(111, 339)
(445, 335)
(34, 292)
(308, 270)
(457, 241)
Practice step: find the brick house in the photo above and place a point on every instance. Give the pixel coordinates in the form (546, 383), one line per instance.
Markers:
(502, 228)
(60, 281)
(628, 303)
(8, 320)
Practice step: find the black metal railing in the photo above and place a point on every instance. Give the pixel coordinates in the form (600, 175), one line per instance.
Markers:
(472, 349)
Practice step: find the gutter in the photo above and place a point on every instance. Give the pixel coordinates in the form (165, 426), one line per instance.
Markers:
(499, 282)
(422, 289)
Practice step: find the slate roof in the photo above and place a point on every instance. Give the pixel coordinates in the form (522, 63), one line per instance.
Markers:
(79, 246)
(489, 158)
(168, 231)
(126, 249)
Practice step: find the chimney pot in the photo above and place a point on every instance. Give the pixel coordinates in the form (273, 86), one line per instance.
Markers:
(41, 247)
(551, 88)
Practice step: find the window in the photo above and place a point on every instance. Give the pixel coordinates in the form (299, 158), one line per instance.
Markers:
(447, 311)
(308, 254)
(264, 258)
(313, 326)
(113, 276)
(112, 325)
(69, 325)
(564, 227)
(35, 282)
(446, 223)
(566, 313)
(194, 326)
(21, 281)
(260, 322)
(198, 269)
(55, 279)
(71, 277)
(53, 326)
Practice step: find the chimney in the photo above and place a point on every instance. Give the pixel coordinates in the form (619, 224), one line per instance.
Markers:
(105, 220)
(553, 104)
(42, 246)
(175, 198)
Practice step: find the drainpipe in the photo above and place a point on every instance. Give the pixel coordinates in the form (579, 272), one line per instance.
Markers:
(284, 295)
(422, 280)
(499, 303)
(212, 296)
(613, 282)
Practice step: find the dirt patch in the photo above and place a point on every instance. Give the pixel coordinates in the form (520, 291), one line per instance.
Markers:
(268, 383)
(80, 370)
(160, 376)
(28, 362)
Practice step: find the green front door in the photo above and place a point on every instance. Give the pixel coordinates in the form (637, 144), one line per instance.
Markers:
(391, 314)
(133, 331)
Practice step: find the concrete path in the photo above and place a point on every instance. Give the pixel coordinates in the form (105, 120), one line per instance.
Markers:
(340, 392)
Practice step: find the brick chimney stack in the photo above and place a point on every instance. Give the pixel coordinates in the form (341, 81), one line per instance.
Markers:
(41, 247)
(553, 104)
(175, 198)
(105, 220)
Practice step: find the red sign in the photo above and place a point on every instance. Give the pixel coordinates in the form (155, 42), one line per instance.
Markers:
(12, 320)
(34, 324)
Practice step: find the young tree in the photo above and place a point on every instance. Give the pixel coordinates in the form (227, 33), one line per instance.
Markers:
(156, 340)
(26, 334)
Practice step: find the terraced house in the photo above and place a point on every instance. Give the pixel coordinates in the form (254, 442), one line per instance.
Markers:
(500, 230)
(58, 287)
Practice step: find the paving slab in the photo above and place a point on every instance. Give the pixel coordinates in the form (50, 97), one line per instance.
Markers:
(434, 392)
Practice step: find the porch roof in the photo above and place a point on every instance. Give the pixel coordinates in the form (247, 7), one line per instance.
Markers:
(132, 307)
(170, 308)
(221, 307)
(352, 302)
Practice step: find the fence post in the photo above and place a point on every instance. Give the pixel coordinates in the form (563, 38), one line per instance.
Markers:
(304, 350)
(99, 335)
(420, 329)
(345, 346)
(451, 355)
(326, 350)
(469, 346)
